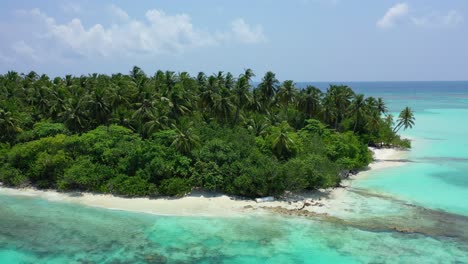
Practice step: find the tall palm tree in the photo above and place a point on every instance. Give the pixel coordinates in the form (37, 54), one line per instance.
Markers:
(139, 79)
(282, 142)
(179, 101)
(170, 82)
(201, 79)
(229, 81)
(241, 96)
(330, 111)
(337, 102)
(12, 83)
(157, 121)
(269, 86)
(357, 109)
(75, 116)
(286, 94)
(99, 105)
(39, 99)
(389, 120)
(145, 111)
(381, 107)
(8, 125)
(185, 139)
(248, 74)
(372, 105)
(223, 106)
(258, 124)
(310, 101)
(209, 94)
(405, 119)
(57, 101)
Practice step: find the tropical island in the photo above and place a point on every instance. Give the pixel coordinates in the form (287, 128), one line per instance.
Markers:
(136, 135)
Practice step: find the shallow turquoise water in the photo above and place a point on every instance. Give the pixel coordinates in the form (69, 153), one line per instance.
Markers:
(38, 231)
(428, 196)
(437, 177)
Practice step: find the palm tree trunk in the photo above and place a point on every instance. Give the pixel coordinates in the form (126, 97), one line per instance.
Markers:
(236, 117)
(397, 128)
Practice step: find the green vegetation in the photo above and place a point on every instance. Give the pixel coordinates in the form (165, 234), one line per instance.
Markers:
(139, 135)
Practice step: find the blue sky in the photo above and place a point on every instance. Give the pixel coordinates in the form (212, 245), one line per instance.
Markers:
(303, 40)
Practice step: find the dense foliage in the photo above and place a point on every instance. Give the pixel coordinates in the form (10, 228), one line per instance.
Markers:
(139, 135)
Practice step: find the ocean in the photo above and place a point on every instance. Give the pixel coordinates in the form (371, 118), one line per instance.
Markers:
(425, 200)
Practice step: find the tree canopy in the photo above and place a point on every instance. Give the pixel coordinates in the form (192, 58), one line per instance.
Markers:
(147, 135)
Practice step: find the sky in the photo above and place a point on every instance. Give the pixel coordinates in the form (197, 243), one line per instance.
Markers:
(302, 40)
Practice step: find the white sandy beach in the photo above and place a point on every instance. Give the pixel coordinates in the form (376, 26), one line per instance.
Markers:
(330, 202)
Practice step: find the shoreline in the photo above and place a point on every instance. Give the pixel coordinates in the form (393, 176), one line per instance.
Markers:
(198, 203)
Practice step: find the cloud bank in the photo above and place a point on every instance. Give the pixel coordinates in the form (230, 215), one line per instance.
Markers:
(400, 13)
(156, 33)
(393, 15)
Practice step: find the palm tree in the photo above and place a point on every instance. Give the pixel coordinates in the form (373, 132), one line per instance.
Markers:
(389, 120)
(258, 124)
(241, 96)
(282, 143)
(185, 139)
(248, 74)
(372, 105)
(139, 79)
(157, 122)
(268, 87)
(381, 107)
(229, 81)
(221, 79)
(201, 79)
(405, 119)
(179, 101)
(8, 125)
(374, 122)
(330, 112)
(208, 92)
(357, 109)
(99, 106)
(223, 106)
(74, 115)
(170, 82)
(286, 94)
(12, 83)
(337, 102)
(57, 101)
(310, 101)
(144, 112)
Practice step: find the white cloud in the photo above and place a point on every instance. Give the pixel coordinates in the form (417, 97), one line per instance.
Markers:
(391, 17)
(243, 32)
(452, 18)
(399, 12)
(156, 33)
(24, 50)
(118, 12)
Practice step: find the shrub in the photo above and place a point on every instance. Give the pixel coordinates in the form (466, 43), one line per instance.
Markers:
(174, 187)
(85, 175)
(130, 186)
(12, 177)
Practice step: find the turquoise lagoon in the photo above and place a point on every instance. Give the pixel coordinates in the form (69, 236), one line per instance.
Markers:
(415, 213)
